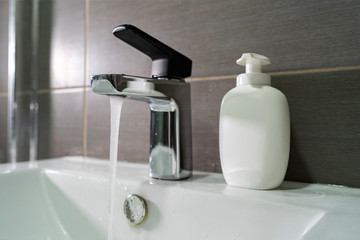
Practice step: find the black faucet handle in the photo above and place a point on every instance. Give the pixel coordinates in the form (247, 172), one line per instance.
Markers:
(166, 62)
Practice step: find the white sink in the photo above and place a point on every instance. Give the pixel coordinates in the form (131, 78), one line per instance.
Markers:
(67, 198)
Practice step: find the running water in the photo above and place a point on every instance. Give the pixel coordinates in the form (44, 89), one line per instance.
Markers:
(115, 106)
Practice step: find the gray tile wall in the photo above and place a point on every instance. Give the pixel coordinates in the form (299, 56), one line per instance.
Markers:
(310, 34)
(61, 77)
(325, 113)
(3, 127)
(4, 6)
(313, 44)
(4, 9)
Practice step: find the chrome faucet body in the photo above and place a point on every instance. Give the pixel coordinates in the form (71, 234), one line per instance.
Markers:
(170, 156)
(168, 96)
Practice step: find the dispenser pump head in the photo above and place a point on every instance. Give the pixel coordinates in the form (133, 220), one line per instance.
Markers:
(253, 74)
(253, 62)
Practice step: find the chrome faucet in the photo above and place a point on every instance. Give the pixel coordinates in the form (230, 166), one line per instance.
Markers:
(168, 96)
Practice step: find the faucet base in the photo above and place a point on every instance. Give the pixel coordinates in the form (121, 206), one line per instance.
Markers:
(182, 175)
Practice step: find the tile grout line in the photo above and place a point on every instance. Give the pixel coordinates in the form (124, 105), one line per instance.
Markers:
(316, 70)
(86, 87)
(86, 71)
(53, 91)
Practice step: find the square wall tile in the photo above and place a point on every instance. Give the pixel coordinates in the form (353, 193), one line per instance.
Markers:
(325, 136)
(63, 41)
(98, 125)
(22, 126)
(3, 129)
(206, 99)
(134, 136)
(60, 124)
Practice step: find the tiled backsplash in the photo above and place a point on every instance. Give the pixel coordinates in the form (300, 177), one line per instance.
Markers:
(4, 6)
(297, 36)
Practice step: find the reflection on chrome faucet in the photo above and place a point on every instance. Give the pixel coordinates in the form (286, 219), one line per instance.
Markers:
(168, 96)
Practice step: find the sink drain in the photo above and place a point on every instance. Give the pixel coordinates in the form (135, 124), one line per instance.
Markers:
(135, 209)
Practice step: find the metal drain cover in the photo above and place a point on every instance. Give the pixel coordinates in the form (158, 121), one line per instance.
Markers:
(135, 209)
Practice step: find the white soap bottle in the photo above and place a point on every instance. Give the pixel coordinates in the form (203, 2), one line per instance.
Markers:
(254, 129)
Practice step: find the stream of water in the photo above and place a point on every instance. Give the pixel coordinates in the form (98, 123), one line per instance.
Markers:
(115, 106)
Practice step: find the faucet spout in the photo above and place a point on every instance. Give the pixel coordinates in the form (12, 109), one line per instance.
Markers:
(170, 155)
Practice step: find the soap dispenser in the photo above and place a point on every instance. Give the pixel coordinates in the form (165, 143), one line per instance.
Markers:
(254, 129)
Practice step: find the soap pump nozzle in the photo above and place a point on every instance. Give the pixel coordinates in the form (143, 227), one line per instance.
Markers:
(253, 73)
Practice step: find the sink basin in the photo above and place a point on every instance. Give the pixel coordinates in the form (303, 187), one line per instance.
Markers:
(67, 198)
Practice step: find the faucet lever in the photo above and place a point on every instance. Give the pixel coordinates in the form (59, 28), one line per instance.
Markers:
(166, 62)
